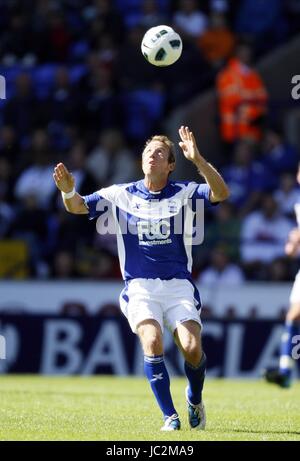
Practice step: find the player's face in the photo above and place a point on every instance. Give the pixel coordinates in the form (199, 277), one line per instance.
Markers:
(155, 158)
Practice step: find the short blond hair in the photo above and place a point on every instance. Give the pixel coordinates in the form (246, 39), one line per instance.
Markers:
(165, 140)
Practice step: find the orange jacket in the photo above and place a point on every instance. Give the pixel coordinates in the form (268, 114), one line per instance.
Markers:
(243, 100)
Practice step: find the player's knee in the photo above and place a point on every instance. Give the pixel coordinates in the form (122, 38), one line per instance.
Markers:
(152, 345)
(192, 351)
(150, 335)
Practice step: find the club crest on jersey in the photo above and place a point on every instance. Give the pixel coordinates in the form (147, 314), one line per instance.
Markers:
(172, 206)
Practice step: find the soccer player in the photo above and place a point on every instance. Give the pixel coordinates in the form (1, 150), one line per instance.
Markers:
(283, 374)
(156, 261)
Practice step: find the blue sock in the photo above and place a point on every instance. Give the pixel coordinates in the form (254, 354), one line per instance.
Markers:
(159, 380)
(195, 376)
(286, 362)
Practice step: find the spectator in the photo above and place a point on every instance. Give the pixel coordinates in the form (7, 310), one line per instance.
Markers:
(242, 98)
(282, 314)
(58, 39)
(261, 23)
(217, 42)
(102, 18)
(146, 14)
(6, 180)
(102, 107)
(6, 217)
(17, 41)
(287, 195)
(37, 179)
(221, 271)
(207, 312)
(62, 101)
(279, 270)
(64, 266)
(110, 310)
(106, 51)
(62, 110)
(111, 162)
(219, 6)
(104, 266)
(253, 313)
(66, 232)
(225, 230)
(246, 178)
(73, 308)
(40, 24)
(189, 21)
(292, 8)
(85, 86)
(30, 225)
(182, 86)
(133, 71)
(230, 313)
(9, 145)
(277, 155)
(151, 15)
(77, 162)
(7, 213)
(263, 235)
(23, 111)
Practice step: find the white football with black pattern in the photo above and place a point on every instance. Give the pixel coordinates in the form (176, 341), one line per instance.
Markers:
(161, 46)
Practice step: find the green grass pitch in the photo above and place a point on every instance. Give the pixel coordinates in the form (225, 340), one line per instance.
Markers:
(115, 409)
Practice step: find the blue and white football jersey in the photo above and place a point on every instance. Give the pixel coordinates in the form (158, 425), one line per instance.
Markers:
(153, 229)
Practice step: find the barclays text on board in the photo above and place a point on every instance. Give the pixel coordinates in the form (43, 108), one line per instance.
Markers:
(98, 345)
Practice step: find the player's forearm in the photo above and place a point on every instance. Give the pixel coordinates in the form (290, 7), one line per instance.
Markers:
(219, 189)
(75, 204)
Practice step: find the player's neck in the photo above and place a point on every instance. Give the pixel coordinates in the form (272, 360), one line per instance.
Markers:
(155, 184)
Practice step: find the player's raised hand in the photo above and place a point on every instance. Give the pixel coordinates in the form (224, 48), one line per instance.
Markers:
(188, 144)
(294, 236)
(293, 243)
(64, 180)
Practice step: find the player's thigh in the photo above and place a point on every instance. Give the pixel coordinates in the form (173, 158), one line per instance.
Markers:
(293, 314)
(138, 304)
(150, 334)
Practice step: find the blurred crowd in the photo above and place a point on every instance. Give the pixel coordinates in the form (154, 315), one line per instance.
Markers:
(80, 91)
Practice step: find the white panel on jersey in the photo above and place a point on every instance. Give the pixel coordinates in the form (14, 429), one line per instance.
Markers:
(120, 241)
(147, 209)
(297, 211)
(188, 236)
